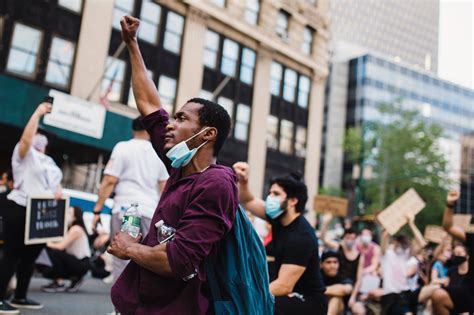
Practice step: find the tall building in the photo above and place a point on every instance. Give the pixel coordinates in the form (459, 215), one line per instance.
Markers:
(265, 61)
(404, 31)
(373, 80)
(466, 204)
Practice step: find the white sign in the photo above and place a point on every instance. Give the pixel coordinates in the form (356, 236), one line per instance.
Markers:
(76, 115)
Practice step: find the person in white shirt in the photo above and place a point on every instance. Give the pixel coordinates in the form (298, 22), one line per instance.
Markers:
(137, 175)
(34, 174)
(70, 258)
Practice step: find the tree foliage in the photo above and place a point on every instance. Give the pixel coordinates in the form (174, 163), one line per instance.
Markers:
(403, 152)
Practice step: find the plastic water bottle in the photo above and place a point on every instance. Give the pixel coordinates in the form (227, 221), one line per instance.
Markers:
(131, 221)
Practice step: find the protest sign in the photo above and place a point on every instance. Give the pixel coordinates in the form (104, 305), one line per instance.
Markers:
(337, 206)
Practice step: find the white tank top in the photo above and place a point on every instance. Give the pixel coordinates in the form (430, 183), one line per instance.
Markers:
(80, 247)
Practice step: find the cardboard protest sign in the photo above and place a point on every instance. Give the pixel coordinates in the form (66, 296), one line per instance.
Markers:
(464, 221)
(435, 234)
(395, 216)
(337, 206)
(45, 220)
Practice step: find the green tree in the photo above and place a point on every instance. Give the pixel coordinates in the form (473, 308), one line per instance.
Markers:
(402, 152)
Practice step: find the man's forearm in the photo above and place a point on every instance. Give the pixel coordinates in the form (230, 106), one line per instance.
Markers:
(245, 195)
(338, 290)
(154, 258)
(448, 217)
(28, 133)
(278, 288)
(144, 90)
(105, 191)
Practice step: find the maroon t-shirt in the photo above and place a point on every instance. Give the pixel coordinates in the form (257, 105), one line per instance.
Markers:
(201, 207)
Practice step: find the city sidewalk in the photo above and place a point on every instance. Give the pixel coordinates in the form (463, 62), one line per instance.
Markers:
(93, 298)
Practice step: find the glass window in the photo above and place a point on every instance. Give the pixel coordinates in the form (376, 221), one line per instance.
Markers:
(73, 5)
(272, 132)
(61, 57)
(131, 98)
(24, 50)
(289, 86)
(242, 122)
(220, 3)
(252, 8)
(150, 16)
(210, 49)
(167, 91)
(112, 83)
(300, 143)
(230, 53)
(282, 24)
(304, 87)
(121, 8)
(276, 73)
(228, 104)
(307, 44)
(247, 66)
(173, 32)
(286, 136)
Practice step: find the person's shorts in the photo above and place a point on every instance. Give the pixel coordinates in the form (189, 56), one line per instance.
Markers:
(462, 297)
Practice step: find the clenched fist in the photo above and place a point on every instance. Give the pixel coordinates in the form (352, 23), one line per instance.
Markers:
(44, 108)
(452, 198)
(130, 27)
(242, 171)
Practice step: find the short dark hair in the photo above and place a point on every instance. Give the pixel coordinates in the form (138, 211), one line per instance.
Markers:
(214, 115)
(137, 124)
(349, 231)
(294, 187)
(330, 254)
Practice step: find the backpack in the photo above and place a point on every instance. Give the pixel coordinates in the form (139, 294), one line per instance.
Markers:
(238, 279)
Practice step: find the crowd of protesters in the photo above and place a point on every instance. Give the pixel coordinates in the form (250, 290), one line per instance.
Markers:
(331, 268)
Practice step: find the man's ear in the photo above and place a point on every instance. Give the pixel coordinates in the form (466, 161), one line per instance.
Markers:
(293, 201)
(210, 134)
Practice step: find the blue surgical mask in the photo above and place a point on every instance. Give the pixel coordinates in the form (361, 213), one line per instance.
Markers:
(180, 155)
(273, 207)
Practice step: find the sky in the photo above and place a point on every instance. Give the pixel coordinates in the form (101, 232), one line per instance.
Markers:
(456, 41)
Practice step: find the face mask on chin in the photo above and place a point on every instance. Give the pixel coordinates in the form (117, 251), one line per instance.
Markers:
(180, 155)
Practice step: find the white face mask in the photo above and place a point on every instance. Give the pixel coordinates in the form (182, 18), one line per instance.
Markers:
(366, 239)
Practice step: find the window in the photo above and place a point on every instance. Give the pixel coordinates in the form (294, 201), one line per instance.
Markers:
(61, 57)
(307, 45)
(220, 3)
(228, 104)
(131, 98)
(289, 85)
(24, 50)
(286, 136)
(73, 5)
(300, 142)
(282, 24)
(247, 66)
(121, 8)
(304, 87)
(252, 8)
(173, 32)
(210, 49)
(150, 16)
(242, 122)
(112, 84)
(276, 73)
(167, 91)
(230, 53)
(272, 132)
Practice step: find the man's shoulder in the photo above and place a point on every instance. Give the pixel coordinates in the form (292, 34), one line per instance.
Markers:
(219, 174)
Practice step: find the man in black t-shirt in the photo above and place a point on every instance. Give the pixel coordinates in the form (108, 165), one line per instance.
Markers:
(460, 298)
(337, 287)
(298, 287)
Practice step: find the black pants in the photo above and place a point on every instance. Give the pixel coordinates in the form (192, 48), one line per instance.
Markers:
(65, 266)
(17, 257)
(316, 305)
(395, 303)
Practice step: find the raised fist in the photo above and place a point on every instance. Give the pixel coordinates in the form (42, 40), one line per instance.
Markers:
(452, 198)
(44, 108)
(242, 171)
(130, 27)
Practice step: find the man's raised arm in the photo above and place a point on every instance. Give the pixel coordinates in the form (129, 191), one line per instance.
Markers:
(144, 90)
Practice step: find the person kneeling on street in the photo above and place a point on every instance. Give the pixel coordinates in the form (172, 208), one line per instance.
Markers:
(70, 258)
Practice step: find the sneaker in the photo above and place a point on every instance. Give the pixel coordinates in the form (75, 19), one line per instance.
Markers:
(109, 280)
(75, 285)
(26, 303)
(6, 308)
(54, 287)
